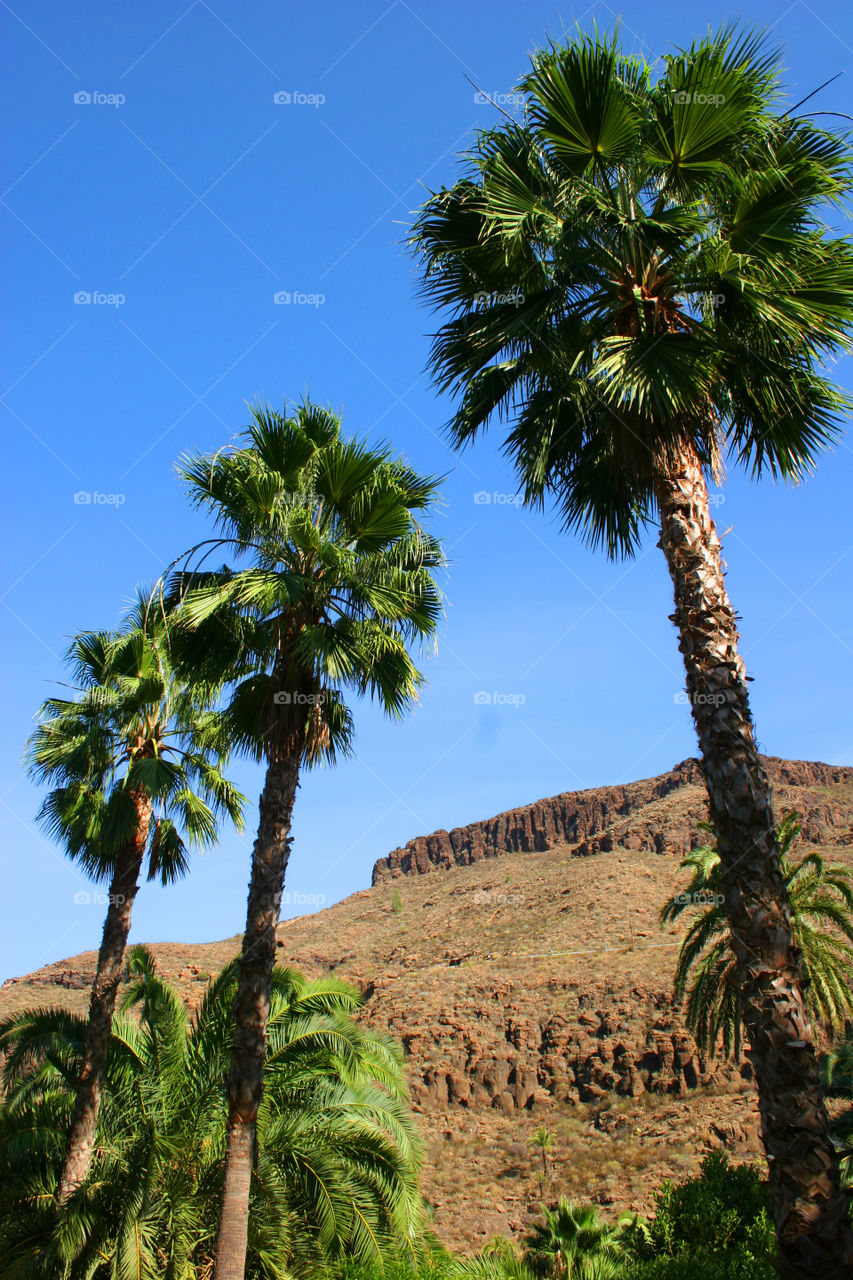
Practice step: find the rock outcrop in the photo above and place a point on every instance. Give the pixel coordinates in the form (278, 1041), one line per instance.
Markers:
(630, 816)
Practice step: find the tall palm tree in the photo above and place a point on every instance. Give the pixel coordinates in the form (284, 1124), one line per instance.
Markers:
(339, 580)
(707, 973)
(338, 1153)
(133, 761)
(640, 280)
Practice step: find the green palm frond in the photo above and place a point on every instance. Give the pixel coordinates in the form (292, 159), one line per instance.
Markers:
(707, 975)
(136, 725)
(572, 1240)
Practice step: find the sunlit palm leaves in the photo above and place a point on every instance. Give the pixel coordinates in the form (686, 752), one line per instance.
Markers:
(340, 579)
(337, 1151)
(131, 723)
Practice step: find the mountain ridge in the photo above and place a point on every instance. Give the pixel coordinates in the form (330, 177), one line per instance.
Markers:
(582, 818)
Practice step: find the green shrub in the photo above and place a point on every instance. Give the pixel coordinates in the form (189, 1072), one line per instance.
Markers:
(716, 1224)
(702, 1266)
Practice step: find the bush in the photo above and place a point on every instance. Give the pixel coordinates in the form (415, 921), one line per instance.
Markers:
(703, 1266)
(716, 1224)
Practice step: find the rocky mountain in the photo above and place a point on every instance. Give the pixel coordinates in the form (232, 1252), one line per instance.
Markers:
(520, 962)
(639, 815)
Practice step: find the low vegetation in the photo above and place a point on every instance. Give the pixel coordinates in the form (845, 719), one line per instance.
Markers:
(335, 1166)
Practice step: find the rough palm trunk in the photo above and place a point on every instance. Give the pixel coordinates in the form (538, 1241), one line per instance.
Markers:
(123, 889)
(813, 1236)
(252, 1006)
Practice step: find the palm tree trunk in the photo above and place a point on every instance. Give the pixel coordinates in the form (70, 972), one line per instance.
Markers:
(251, 1007)
(123, 889)
(813, 1236)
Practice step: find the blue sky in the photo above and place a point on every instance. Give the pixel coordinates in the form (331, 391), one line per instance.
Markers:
(151, 167)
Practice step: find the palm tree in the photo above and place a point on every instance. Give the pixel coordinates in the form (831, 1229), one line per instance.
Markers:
(574, 1242)
(338, 1154)
(133, 761)
(707, 973)
(339, 581)
(543, 1141)
(640, 280)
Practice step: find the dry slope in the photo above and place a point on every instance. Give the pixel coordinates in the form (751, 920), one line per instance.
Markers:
(526, 975)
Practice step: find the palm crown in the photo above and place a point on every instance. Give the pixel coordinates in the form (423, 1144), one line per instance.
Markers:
(641, 265)
(341, 579)
(573, 1241)
(133, 726)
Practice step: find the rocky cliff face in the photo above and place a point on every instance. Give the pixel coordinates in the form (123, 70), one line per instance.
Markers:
(629, 816)
(530, 984)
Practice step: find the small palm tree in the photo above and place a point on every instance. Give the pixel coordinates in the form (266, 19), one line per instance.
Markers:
(575, 1243)
(544, 1141)
(638, 279)
(339, 581)
(337, 1157)
(133, 760)
(708, 973)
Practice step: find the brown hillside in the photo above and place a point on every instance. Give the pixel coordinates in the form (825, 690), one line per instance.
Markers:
(530, 984)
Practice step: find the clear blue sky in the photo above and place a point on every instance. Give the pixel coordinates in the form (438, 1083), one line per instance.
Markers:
(183, 191)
